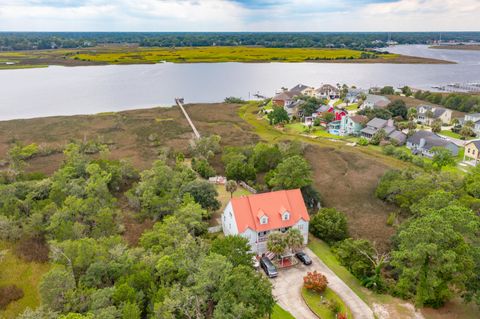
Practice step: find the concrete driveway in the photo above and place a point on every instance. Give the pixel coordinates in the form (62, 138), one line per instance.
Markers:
(287, 290)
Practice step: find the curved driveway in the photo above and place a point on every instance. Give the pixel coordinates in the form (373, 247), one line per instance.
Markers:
(287, 290)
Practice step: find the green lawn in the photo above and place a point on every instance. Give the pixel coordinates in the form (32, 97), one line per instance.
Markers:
(299, 128)
(352, 107)
(26, 276)
(280, 313)
(318, 303)
(322, 250)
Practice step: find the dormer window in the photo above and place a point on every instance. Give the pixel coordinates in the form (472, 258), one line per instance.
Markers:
(263, 220)
(286, 216)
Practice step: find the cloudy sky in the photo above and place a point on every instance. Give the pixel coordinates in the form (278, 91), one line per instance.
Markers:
(239, 15)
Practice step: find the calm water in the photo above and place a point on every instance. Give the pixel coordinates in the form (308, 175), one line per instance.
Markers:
(81, 90)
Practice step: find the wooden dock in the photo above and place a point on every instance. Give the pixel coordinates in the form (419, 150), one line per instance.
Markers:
(179, 102)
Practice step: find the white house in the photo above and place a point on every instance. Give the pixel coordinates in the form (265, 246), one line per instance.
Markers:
(256, 216)
(375, 102)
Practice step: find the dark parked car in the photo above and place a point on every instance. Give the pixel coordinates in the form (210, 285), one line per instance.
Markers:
(303, 258)
(268, 267)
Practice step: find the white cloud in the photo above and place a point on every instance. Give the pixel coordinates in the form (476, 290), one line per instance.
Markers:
(230, 15)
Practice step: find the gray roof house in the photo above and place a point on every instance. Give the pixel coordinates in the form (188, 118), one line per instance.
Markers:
(475, 118)
(327, 91)
(375, 102)
(377, 124)
(429, 113)
(422, 143)
(353, 95)
(299, 89)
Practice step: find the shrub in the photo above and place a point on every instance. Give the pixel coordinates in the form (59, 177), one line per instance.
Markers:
(315, 281)
(403, 155)
(392, 217)
(362, 141)
(329, 225)
(418, 161)
(234, 100)
(9, 294)
(334, 306)
(388, 149)
(341, 316)
(202, 167)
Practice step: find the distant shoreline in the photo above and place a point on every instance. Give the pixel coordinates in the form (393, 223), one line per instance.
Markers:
(115, 55)
(464, 47)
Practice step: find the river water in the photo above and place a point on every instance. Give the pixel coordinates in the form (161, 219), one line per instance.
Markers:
(27, 93)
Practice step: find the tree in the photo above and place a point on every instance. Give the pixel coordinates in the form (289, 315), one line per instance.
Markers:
(466, 132)
(238, 169)
(315, 281)
(437, 126)
(55, 287)
(244, 294)
(412, 114)
(266, 157)
(276, 243)
(328, 116)
(278, 116)
(202, 167)
(206, 146)
(131, 311)
(387, 90)
(442, 157)
(378, 137)
(329, 225)
(231, 187)
(434, 255)
(293, 172)
(294, 239)
(191, 215)
(235, 248)
(406, 91)
(203, 193)
(398, 108)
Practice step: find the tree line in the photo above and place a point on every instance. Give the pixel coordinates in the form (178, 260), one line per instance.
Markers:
(360, 41)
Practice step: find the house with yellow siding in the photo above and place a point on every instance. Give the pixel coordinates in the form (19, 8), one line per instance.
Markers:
(472, 151)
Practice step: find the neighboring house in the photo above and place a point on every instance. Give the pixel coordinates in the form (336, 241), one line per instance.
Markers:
(422, 143)
(284, 98)
(327, 91)
(353, 96)
(472, 151)
(377, 124)
(254, 217)
(475, 118)
(352, 124)
(301, 89)
(426, 114)
(375, 102)
(293, 109)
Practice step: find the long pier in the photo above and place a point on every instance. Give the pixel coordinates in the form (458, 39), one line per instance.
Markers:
(179, 102)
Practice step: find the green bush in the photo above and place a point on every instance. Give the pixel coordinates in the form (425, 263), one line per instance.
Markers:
(329, 225)
(362, 141)
(202, 167)
(388, 149)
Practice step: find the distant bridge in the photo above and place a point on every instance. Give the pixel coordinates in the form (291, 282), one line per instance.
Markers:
(180, 102)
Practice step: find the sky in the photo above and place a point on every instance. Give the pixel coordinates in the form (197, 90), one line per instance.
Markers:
(239, 15)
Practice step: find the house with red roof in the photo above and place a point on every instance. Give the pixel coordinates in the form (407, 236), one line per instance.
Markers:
(255, 216)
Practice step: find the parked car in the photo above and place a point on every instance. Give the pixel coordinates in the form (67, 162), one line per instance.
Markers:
(303, 258)
(268, 267)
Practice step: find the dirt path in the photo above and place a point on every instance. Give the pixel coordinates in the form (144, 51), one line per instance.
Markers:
(287, 291)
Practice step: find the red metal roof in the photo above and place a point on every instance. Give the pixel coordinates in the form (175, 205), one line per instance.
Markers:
(247, 210)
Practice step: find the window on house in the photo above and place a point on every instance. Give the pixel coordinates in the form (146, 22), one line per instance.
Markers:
(473, 152)
(286, 216)
(300, 227)
(263, 220)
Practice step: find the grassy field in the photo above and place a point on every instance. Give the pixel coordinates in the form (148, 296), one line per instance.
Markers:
(280, 313)
(139, 55)
(25, 275)
(454, 135)
(318, 303)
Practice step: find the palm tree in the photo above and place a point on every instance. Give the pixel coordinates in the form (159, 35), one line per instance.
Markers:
(231, 186)
(412, 113)
(276, 243)
(294, 239)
